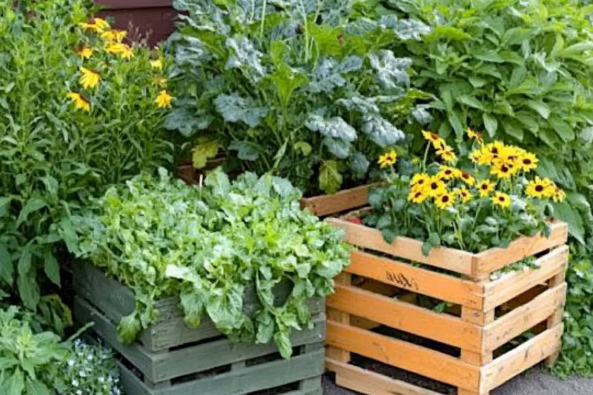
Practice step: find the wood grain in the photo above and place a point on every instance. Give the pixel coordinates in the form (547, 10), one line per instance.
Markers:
(348, 199)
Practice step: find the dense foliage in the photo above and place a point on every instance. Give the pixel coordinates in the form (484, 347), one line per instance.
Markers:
(210, 246)
(77, 113)
(520, 68)
(472, 208)
(292, 87)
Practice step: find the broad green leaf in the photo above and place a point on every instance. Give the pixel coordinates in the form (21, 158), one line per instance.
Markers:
(15, 383)
(359, 164)
(201, 153)
(456, 124)
(564, 212)
(381, 131)
(6, 265)
(334, 127)
(219, 182)
(540, 107)
(286, 81)
(562, 128)
(28, 290)
(187, 122)
(282, 339)
(517, 35)
(470, 101)
(489, 56)
(193, 307)
(51, 268)
(339, 148)
(490, 123)
(330, 178)
(68, 235)
(31, 206)
(304, 147)
(245, 150)
(36, 387)
(234, 108)
(587, 135)
(4, 205)
(513, 129)
(128, 329)
(24, 265)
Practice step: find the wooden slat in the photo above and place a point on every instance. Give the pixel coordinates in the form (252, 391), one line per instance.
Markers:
(404, 355)
(342, 318)
(406, 317)
(521, 358)
(523, 318)
(348, 199)
(558, 315)
(238, 382)
(481, 319)
(368, 382)
(416, 279)
(193, 359)
(507, 288)
(403, 247)
(496, 258)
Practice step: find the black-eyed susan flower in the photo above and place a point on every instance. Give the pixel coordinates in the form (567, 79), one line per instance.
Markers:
(446, 153)
(467, 178)
(114, 36)
(502, 200)
(528, 161)
(124, 50)
(436, 140)
(558, 195)
(447, 173)
(156, 64)
(388, 159)
(89, 78)
(444, 200)
(464, 195)
(436, 186)
(417, 196)
(163, 99)
(79, 101)
(97, 25)
(538, 188)
(419, 182)
(504, 169)
(495, 149)
(85, 52)
(486, 187)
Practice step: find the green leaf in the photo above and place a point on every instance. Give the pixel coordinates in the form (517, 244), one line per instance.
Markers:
(4, 205)
(219, 183)
(129, 328)
(36, 387)
(490, 123)
(517, 35)
(564, 212)
(330, 178)
(245, 150)
(201, 153)
(470, 101)
(28, 290)
(31, 206)
(193, 307)
(562, 128)
(51, 267)
(234, 108)
(489, 56)
(304, 147)
(68, 235)
(282, 340)
(339, 148)
(334, 127)
(381, 131)
(540, 107)
(586, 135)
(286, 81)
(15, 382)
(6, 265)
(513, 129)
(24, 265)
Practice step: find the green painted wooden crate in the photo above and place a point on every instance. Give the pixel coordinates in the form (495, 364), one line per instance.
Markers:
(173, 359)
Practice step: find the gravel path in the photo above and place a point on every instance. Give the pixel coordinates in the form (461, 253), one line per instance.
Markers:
(533, 382)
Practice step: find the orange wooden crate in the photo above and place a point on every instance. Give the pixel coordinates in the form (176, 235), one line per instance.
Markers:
(490, 314)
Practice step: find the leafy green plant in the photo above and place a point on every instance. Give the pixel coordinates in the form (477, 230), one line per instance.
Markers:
(75, 116)
(295, 88)
(210, 246)
(521, 69)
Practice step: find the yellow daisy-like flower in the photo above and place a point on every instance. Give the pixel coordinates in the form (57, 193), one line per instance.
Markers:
(436, 186)
(503, 169)
(114, 36)
(486, 187)
(419, 182)
(476, 156)
(502, 200)
(539, 188)
(97, 25)
(528, 161)
(436, 140)
(388, 159)
(123, 50)
(79, 101)
(495, 149)
(89, 78)
(417, 196)
(444, 200)
(473, 135)
(447, 173)
(467, 178)
(559, 195)
(464, 194)
(156, 64)
(446, 153)
(163, 99)
(160, 81)
(85, 52)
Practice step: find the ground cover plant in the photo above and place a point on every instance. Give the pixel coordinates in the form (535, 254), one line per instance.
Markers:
(79, 109)
(209, 245)
(296, 88)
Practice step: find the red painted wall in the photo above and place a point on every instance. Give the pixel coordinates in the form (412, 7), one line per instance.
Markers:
(151, 20)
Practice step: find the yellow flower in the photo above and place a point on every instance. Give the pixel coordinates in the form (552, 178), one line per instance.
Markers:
(467, 178)
(85, 52)
(471, 134)
(559, 195)
(114, 36)
(156, 64)
(486, 187)
(539, 188)
(388, 159)
(79, 101)
(528, 161)
(122, 49)
(495, 149)
(417, 196)
(503, 169)
(502, 199)
(419, 181)
(89, 78)
(476, 156)
(97, 25)
(447, 173)
(464, 194)
(436, 186)
(163, 99)
(444, 200)
(435, 139)
(160, 81)
(446, 153)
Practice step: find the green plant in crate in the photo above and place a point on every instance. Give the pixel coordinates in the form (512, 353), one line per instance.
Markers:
(291, 87)
(212, 245)
(78, 111)
(521, 69)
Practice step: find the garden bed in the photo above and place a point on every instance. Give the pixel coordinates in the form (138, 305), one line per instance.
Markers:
(484, 317)
(173, 359)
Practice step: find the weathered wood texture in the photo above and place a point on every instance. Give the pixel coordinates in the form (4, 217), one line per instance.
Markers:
(177, 360)
(344, 200)
(486, 315)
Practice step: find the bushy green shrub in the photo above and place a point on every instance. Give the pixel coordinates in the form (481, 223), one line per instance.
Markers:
(520, 68)
(209, 245)
(291, 87)
(64, 138)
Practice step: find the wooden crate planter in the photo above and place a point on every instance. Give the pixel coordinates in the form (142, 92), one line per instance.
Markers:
(172, 359)
(381, 289)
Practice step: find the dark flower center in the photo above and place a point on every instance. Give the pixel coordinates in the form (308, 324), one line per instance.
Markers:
(445, 199)
(418, 194)
(484, 186)
(539, 188)
(434, 185)
(504, 169)
(448, 172)
(501, 199)
(526, 161)
(494, 150)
